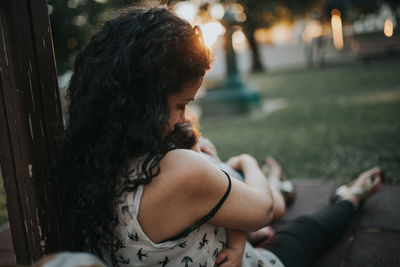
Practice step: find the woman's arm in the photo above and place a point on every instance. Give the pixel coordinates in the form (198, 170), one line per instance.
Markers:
(251, 169)
(253, 175)
(189, 186)
(249, 205)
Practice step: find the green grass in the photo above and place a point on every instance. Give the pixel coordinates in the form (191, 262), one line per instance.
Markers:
(338, 121)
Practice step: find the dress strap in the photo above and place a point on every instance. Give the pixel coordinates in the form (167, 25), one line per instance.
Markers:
(200, 222)
(137, 198)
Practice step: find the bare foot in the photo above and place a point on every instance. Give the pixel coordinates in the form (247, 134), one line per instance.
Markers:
(273, 171)
(277, 179)
(272, 168)
(367, 184)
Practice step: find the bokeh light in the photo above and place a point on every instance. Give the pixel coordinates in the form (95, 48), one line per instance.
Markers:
(216, 11)
(239, 41)
(312, 30)
(72, 3)
(281, 34)
(80, 20)
(388, 30)
(211, 31)
(50, 9)
(262, 36)
(337, 30)
(237, 8)
(186, 10)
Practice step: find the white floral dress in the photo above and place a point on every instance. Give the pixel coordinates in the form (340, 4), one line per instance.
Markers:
(199, 248)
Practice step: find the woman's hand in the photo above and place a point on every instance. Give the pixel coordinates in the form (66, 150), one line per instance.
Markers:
(230, 257)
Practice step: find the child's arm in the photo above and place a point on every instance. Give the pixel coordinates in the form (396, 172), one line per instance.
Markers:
(233, 253)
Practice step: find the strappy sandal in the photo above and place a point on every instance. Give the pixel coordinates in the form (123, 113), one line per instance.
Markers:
(363, 192)
(285, 186)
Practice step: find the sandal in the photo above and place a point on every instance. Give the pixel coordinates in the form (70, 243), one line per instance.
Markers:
(285, 186)
(372, 183)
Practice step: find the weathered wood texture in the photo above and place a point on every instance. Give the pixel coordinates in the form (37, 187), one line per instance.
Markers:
(30, 118)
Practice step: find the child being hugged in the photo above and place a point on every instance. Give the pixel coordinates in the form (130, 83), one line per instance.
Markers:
(131, 196)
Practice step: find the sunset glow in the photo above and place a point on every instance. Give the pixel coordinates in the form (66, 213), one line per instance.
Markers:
(186, 10)
(211, 31)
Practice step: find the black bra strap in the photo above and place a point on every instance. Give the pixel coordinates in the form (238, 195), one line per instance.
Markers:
(200, 222)
(219, 204)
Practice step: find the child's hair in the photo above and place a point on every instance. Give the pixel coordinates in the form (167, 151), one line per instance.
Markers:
(184, 135)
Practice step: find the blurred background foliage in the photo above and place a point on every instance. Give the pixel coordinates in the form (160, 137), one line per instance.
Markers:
(74, 21)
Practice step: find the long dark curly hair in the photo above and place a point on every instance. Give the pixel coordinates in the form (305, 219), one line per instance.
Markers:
(118, 111)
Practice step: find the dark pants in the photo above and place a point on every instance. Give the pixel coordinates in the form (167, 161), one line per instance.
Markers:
(300, 241)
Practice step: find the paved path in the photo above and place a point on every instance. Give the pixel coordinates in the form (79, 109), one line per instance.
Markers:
(373, 240)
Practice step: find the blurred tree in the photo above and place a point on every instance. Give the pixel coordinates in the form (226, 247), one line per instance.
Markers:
(263, 14)
(395, 6)
(74, 21)
(353, 9)
(350, 9)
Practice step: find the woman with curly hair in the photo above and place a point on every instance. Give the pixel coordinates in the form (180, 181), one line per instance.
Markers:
(130, 195)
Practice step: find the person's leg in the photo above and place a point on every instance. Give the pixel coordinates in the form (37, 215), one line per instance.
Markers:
(275, 171)
(300, 241)
(277, 179)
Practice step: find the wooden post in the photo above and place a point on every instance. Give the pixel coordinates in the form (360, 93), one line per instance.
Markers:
(30, 119)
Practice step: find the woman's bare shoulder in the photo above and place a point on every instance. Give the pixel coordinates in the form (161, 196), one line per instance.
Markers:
(192, 173)
(186, 155)
(186, 166)
(186, 189)
(180, 157)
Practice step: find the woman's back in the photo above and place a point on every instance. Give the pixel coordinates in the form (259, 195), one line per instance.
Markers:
(135, 248)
